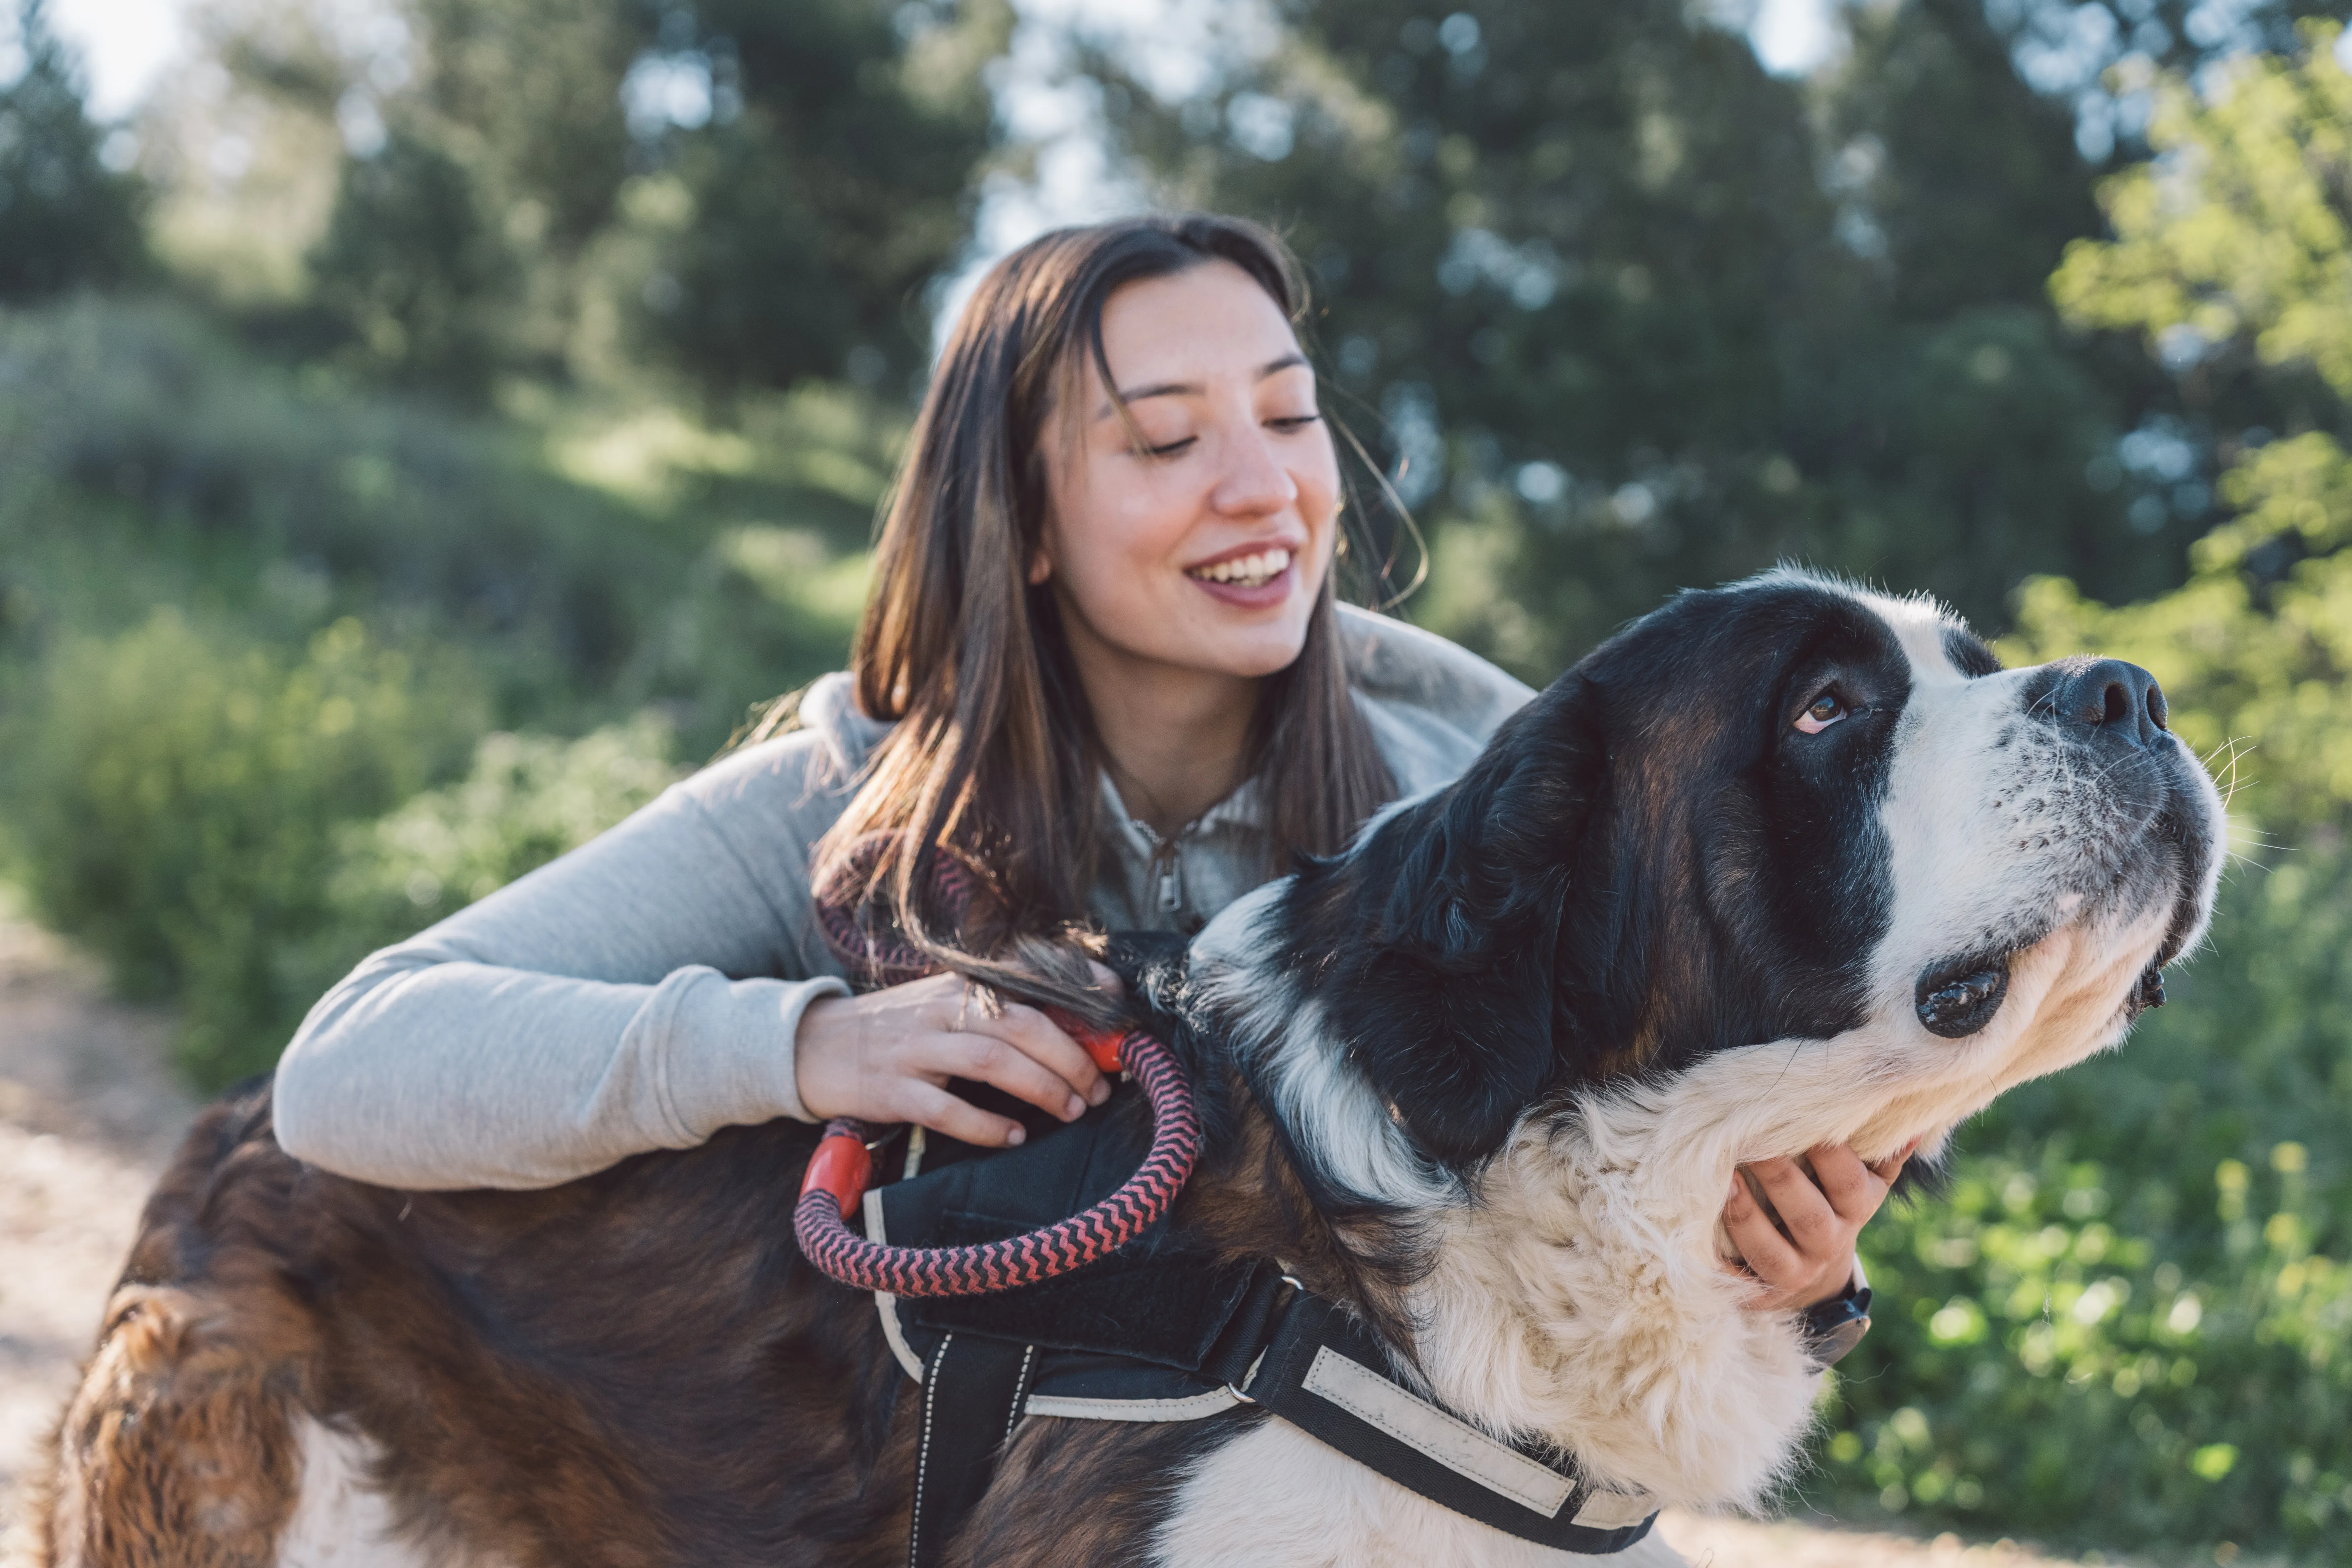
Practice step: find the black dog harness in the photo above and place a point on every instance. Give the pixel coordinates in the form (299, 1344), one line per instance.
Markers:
(1163, 1331)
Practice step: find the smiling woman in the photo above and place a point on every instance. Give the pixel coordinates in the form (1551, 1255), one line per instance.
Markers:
(1103, 683)
(1111, 559)
(1102, 674)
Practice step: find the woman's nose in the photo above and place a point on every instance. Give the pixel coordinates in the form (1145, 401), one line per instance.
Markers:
(1254, 479)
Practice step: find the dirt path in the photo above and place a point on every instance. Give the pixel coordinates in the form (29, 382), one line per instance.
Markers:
(89, 1114)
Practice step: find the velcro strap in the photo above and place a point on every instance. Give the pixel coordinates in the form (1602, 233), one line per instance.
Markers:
(1325, 1375)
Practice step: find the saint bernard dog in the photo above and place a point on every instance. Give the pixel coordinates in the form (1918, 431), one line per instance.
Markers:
(1782, 864)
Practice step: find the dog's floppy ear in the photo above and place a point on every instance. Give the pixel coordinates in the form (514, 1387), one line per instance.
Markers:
(1444, 922)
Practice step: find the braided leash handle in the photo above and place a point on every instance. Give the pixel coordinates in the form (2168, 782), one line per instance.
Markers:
(836, 1182)
(820, 1220)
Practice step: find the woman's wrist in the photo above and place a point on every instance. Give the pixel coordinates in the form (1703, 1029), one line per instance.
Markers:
(816, 1001)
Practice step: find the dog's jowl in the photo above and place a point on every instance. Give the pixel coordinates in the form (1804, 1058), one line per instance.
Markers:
(1783, 864)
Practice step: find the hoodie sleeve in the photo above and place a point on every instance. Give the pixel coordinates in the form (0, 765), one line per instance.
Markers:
(1431, 705)
(639, 992)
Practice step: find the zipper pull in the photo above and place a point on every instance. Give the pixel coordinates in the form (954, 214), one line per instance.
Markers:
(1167, 860)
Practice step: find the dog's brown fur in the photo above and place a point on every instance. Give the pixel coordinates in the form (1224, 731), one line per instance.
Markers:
(634, 1369)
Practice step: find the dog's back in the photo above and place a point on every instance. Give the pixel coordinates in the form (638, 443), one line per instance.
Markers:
(286, 1344)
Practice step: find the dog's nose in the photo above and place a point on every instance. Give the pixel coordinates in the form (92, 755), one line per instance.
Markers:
(2121, 699)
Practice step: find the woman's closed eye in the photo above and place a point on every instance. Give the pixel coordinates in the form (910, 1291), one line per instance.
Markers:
(1281, 425)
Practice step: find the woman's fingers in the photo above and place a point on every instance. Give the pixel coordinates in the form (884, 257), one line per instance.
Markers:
(986, 1059)
(1804, 1209)
(1807, 1255)
(1769, 1255)
(929, 1105)
(1037, 1036)
(886, 1056)
(1853, 1188)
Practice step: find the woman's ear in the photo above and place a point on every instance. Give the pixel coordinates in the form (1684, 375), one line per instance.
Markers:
(1041, 566)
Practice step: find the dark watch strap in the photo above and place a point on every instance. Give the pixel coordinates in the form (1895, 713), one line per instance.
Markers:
(1835, 1326)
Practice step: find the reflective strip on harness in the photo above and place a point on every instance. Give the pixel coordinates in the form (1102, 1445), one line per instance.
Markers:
(1456, 1444)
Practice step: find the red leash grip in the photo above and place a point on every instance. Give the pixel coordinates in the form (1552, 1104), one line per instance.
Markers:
(839, 1168)
(1107, 1046)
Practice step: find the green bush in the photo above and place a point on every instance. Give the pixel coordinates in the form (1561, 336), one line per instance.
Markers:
(372, 585)
(588, 566)
(177, 790)
(236, 828)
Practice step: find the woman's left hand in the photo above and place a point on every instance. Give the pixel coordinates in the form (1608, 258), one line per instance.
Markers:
(1807, 1257)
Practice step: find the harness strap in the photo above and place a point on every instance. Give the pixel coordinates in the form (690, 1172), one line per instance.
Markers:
(1324, 1373)
(974, 1390)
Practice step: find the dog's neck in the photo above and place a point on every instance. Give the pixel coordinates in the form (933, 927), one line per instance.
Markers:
(1571, 1284)
(1559, 1292)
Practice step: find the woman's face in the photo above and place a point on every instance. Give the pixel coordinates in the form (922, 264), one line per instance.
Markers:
(1204, 550)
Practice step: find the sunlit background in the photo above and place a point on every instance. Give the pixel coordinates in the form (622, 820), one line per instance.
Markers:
(427, 426)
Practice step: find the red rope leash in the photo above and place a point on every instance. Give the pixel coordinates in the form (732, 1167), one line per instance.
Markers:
(835, 1183)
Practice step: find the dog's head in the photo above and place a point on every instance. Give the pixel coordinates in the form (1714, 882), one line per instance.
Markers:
(1787, 816)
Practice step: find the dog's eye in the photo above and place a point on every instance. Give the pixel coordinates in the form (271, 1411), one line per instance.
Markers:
(1826, 710)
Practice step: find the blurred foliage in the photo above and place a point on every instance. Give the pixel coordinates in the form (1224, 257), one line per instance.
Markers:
(178, 788)
(67, 220)
(2131, 1320)
(755, 195)
(830, 184)
(175, 787)
(1637, 315)
(589, 564)
(525, 799)
(416, 272)
(235, 829)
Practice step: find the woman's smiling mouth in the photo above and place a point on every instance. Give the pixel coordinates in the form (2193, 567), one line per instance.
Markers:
(1252, 573)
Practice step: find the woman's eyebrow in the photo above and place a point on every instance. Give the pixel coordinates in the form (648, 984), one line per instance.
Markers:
(1193, 388)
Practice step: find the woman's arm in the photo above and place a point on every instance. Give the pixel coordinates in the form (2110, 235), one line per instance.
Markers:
(639, 992)
(664, 980)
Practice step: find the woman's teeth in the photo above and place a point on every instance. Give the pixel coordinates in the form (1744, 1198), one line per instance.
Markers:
(1249, 571)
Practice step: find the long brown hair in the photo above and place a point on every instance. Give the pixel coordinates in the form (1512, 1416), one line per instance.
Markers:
(994, 755)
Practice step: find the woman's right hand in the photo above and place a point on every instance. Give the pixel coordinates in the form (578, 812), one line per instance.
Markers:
(887, 1056)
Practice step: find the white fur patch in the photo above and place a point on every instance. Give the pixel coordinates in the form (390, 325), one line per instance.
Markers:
(1329, 1107)
(342, 1520)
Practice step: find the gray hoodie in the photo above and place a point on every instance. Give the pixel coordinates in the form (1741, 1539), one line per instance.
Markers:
(643, 991)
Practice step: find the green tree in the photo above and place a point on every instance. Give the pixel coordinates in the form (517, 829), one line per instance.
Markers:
(831, 181)
(757, 193)
(1959, 222)
(66, 218)
(2233, 254)
(1583, 260)
(416, 271)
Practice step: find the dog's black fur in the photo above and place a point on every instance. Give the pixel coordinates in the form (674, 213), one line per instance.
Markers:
(1533, 912)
